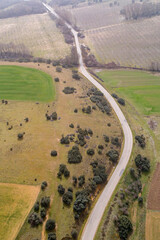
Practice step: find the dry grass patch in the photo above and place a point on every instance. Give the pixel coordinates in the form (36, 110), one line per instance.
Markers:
(37, 32)
(16, 202)
(153, 225)
(30, 158)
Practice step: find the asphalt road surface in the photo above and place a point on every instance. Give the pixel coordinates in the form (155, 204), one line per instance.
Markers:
(98, 210)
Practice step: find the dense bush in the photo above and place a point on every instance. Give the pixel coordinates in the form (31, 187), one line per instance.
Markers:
(113, 155)
(106, 139)
(114, 95)
(56, 79)
(61, 189)
(69, 90)
(52, 236)
(45, 202)
(87, 110)
(34, 220)
(142, 163)
(81, 202)
(63, 171)
(53, 153)
(90, 152)
(76, 76)
(141, 141)
(115, 141)
(74, 178)
(67, 198)
(124, 227)
(44, 185)
(74, 234)
(81, 180)
(121, 101)
(20, 136)
(36, 207)
(65, 140)
(100, 174)
(50, 225)
(74, 155)
(58, 69)
(43, 213)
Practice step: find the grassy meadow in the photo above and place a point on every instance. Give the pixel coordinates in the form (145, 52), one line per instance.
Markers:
(29, 162)
(140, 91)
(20, 83)
(152, 225)
(139, 88)
(38, 33)
(16, 202)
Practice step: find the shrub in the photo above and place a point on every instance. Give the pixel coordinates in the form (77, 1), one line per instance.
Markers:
(74, 234)
(113, 155)
(66, 173)
(141, 141)
(76, 76)
(114, 95)
(50, 225)
(52, 236)
(124, 227)
(121, 101)
(142, 163)
(115, 141)
(70, 189)
(43, 213)
(100, 147)
(100, 175)
(140, 201)
(69, 90)
(61, 189)
(74, 155)
(44, 185)
(90, 152)
(56, 79)
(53, 153)
(36, 207)
(87, 110)
(71, 125)
(64, 140)
(67, 198)
(75, 110)
(106, 138)
(58, 69)
(74, 178)
(34, 220)
(45, 202)
(90, 132)
(20, 136)
(81, 180)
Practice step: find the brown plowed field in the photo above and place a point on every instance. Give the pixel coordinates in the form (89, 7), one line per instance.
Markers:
(154, 193)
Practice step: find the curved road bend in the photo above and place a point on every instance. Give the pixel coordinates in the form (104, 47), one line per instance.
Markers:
(98, 210)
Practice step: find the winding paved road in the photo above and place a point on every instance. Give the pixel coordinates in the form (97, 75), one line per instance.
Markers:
(98, 210)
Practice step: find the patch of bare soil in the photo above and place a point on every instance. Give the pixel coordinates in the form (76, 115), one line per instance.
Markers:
(154, 193)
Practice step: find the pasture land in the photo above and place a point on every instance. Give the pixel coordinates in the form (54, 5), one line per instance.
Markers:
(38, 33)
(154, 193)
(19, 83)
(140, 88)
(30, 162)
(131, 44)
(16, 202)
(152, 225)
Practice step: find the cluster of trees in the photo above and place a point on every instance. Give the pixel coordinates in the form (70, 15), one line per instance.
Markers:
(82, 133)
(113, 155)
(141, 140)
(68, 197)
(87, 109)
(97, 97)
(9, 51)
(75, 75)
(69, 90)
(141, 10)
(115, 141)
(99, 173)
(23, 8)
(34, 219)
(119, 100)
(52, 117)
(124, 227)
(63, 170)
(74, 155)
(81, 202)
(65, 140)
(142, 163)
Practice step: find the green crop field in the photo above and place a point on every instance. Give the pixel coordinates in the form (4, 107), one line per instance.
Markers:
(140, 88)
(20, 83)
